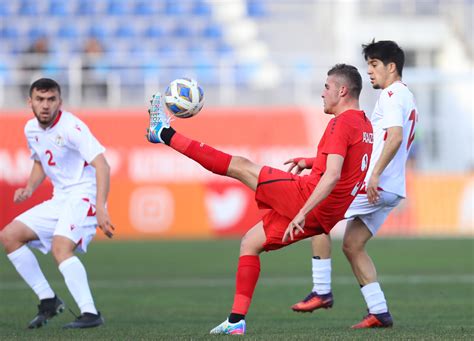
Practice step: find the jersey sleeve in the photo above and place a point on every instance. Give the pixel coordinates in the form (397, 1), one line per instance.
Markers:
(81, 139)
(392, 107)
(337, 138)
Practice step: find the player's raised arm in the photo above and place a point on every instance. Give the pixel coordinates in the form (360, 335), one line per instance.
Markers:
(37, 176)
(324, 187)
(102, 173)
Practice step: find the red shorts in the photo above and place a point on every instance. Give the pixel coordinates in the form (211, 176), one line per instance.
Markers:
(284, 194)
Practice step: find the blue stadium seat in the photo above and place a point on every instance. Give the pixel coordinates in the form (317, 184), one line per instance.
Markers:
(213, 31)
(117, 7)
(125, 31)
(224, 50)
(154, 31)
(5, 9)
(256, 8)
(98, 31)
(58, 8)
(183, 31)
(175, 7)
(86, 7)
(28, 8)
(201, 8)
(144, 7)
(67, 31)
(35, 33)
(10, 32)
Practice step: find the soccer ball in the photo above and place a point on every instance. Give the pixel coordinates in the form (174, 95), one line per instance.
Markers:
(184, 98)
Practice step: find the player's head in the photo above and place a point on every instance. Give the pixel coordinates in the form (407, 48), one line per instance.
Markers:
(343, 86)
(385, 60)
(45, 100)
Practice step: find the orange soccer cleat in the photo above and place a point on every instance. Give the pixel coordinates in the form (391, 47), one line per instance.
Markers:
(314, 301)
(383, 320)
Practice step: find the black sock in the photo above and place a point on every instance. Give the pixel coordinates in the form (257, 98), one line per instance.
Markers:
(167, 134)
(234, 318)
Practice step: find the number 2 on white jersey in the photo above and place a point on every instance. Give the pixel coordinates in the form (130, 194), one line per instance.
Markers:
(50, 161)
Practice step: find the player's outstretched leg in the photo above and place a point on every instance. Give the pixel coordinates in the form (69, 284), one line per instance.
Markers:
(216, 161)
(47, 309)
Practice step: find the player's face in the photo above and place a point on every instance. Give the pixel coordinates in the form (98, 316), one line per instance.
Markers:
(45, 105)
(330, 95)
(378, 73)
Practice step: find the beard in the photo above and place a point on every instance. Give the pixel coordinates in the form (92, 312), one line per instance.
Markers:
(46, 121)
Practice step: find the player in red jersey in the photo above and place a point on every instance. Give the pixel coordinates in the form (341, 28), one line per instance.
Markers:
(299, 206)
(394, 121)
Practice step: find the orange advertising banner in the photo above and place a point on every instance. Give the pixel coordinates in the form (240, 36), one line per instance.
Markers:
(158, 193)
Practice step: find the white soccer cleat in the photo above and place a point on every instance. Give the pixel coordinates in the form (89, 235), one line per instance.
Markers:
(159, 120)
(227, 328)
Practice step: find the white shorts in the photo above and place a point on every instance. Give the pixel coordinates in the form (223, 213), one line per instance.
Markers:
(73, 218)
(373, 215)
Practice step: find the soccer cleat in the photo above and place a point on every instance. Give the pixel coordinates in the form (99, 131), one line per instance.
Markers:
(314, 301)
(47, 309)
(159, 120)
(383, 320)
(86, 320)
(227, 328)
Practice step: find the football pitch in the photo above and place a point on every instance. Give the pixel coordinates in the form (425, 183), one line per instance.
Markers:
(179, 290)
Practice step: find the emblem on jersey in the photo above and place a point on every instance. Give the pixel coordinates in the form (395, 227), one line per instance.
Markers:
(36, 138)
(390, 94)
(365, 162)
(59, 141)
(77, 127)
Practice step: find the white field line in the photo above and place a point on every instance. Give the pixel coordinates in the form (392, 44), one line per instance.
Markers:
(194, 282)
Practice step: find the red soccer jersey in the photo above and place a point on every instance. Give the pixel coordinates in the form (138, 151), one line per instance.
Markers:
(349, 135)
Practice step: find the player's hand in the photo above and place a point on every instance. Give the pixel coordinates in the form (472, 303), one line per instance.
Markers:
(295, 227)
(373, 194)
(297, 163)
(21, 194)
(103, 221)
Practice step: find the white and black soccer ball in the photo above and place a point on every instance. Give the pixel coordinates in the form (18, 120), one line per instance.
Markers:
(184, 97)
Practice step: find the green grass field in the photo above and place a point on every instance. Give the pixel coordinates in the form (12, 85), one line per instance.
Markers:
(179, 290)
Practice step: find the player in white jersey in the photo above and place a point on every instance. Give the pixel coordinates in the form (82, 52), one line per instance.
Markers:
(63, 149)
(394, 119)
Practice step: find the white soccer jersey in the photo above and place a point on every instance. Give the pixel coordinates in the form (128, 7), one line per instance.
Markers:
(394, 108)
(65, 150)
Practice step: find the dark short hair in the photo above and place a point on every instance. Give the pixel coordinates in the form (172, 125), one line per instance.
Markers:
(351, 75)
(45, 84)
(387, 51)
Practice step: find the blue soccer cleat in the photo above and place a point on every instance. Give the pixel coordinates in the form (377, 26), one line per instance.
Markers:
(227, 328)
(159, 120)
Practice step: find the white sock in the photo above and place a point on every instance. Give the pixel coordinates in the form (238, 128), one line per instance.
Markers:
(75, 277)
(322, 276)
(374, 298)
(26, 264)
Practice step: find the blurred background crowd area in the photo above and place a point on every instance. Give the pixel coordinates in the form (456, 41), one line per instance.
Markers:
(116, 53)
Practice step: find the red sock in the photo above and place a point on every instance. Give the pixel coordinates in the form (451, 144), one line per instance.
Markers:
(248, 271)
(208, 157)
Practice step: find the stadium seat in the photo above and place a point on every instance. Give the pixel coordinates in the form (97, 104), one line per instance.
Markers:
(98, 32)
(256, 8)
(58, 8)
(28, 8)
(68, 31)
(86, 7)
(144, 7)
(201, 8)
(154, 31)
(117, 7)
(5, 9)
(183, 31)
(10, 32)
(125, 31)
(173, 7)
(35, 33)
(212, 31)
